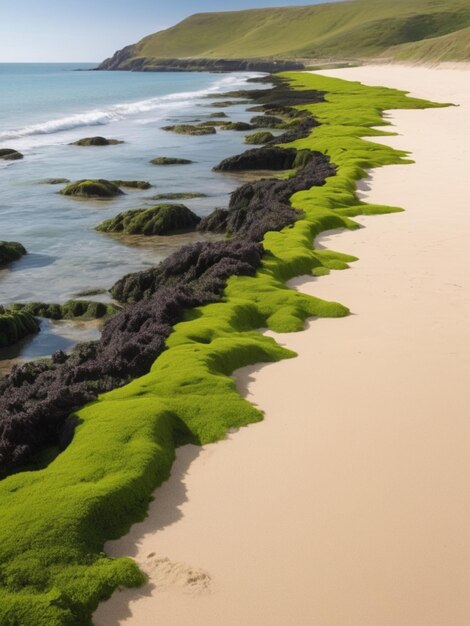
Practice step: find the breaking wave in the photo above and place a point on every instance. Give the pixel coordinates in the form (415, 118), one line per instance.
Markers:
(116, 112)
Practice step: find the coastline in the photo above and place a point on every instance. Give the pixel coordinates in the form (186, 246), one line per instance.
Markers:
(354, 510)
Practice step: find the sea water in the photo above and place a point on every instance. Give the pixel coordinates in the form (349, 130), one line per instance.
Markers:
(45, 107)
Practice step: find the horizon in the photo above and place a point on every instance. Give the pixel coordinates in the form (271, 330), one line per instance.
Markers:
(49, 27)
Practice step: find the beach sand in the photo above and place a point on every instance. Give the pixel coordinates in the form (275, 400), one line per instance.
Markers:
(350, 504)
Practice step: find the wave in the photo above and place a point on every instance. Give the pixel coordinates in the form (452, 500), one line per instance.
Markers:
(116, 112)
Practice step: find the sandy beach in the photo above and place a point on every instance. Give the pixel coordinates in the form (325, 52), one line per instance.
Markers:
(350, 504)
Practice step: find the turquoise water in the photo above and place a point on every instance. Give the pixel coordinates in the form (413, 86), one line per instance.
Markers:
(43, 108)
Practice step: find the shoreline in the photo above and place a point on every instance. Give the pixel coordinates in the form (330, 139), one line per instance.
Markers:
(335, 500)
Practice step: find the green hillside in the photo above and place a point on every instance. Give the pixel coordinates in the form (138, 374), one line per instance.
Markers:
(451, 47)
(353, 29)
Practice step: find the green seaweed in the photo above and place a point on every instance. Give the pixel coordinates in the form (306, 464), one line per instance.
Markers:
(54, 521)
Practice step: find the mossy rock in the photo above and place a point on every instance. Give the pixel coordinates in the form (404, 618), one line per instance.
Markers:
(189, 129)
(8, 154)
(15, 325)
(132, 184)
(72, 309)
(170, 161)
(96, 141)
(211, 124)
(54, 181)
(215, 115)
(179, 195)
(259, 138)
(163, 219)
(267, 121)
(92, 189)
(237, 126)
(223, 104)
(10, 251)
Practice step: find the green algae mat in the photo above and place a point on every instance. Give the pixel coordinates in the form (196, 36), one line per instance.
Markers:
(54, 521)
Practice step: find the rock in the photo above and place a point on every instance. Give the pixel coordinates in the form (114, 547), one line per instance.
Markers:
(10, 251)
(189, 129)
(170, 161)
(54, 181)
(180, 195)
(264, 205)
(237, 126)
(216, 115)
(8, 154)
(271, 158)
(15, 325)
(266, 121)
(211, 123)
(72, 309)
(96, 141)
(92, 189)
(259, 138)
(223, 104)
(132, 184)
(163, 219)
(91, 292)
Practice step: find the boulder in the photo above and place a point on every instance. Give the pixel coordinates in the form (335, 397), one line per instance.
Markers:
(96, 141)
(132, 184)
(100, 188)
(237, 126)
(169, 161)
(10, 251)
(8, 154)
(189, 129)
(259, 138)
(14, 325)
(162, 219)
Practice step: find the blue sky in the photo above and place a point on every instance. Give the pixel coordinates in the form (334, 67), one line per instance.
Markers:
(90, 30)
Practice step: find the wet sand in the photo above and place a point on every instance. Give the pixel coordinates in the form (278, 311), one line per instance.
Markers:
(350, 504)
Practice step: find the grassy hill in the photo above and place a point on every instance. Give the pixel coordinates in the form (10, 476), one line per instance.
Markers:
(355, 29)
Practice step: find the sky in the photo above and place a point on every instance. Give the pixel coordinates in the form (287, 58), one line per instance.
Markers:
(91, 30)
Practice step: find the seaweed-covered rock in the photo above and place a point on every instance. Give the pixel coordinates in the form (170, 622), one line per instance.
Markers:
(15, 325)
(270, 158)
(178, 195)
(236, 126)
(222, 104)
(189, 129)
(259, 138)
(205, 266)
(72, 309)
(10, 251)
(266, 121)
(169, 161)
(92, 189)
(132, 184)
(8, 154)
(215, 222)
(215, 115)
(262, 206)
(54, 181)
(96, 141)
(163, 219)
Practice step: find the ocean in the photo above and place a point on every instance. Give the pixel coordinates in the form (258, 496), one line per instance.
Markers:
(45, 107)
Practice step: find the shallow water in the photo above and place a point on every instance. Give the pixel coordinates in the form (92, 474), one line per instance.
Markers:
(46, 107)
